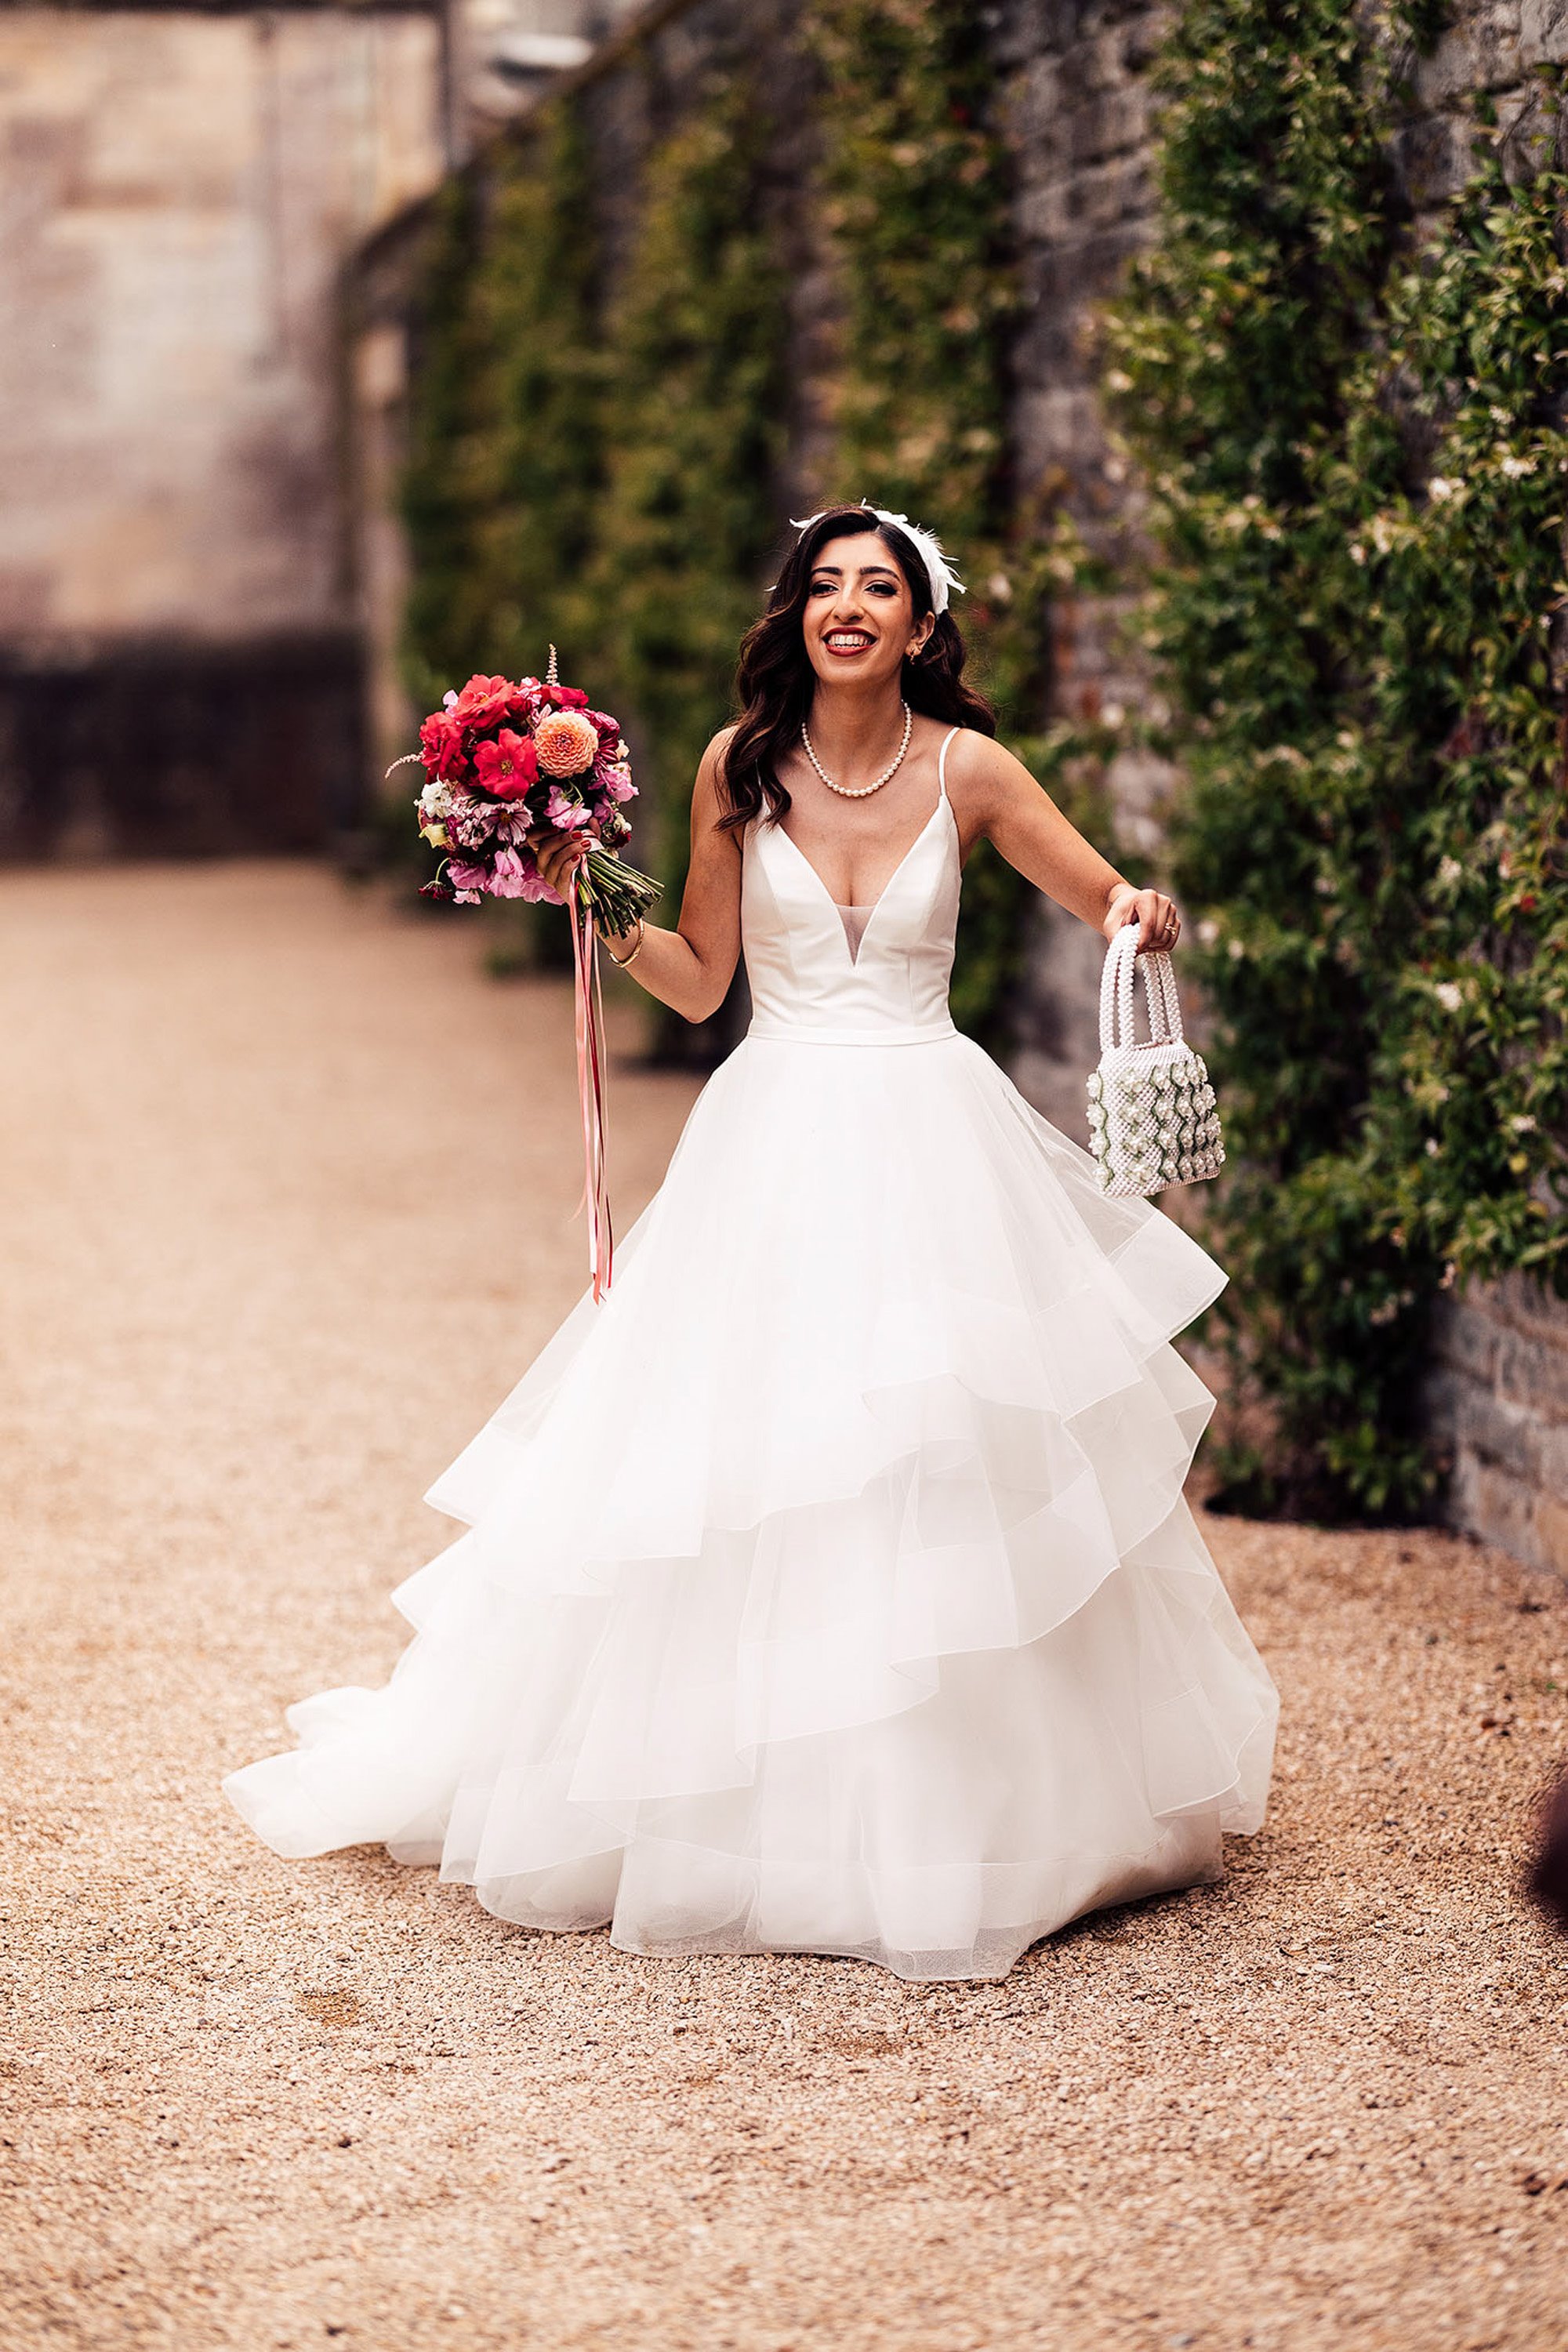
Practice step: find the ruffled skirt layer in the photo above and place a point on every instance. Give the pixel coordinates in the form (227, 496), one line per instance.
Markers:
(829, 1587)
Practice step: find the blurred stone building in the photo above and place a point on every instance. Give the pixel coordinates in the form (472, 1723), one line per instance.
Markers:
(180, 186)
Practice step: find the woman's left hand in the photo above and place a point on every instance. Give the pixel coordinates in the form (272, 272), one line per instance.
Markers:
(1160, 925)
(558, 853)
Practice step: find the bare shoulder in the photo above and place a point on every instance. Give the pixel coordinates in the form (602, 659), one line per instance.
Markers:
(984, 779)
(709, 800)
(708, 787)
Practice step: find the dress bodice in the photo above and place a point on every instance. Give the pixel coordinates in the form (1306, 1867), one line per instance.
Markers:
(809, 982)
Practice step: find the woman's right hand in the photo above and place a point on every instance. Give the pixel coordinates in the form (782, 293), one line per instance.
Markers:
(558, 852)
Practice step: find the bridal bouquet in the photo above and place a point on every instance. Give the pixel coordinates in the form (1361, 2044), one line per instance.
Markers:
(501, 760)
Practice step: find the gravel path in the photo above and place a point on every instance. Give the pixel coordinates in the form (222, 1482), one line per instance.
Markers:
(288, 1189)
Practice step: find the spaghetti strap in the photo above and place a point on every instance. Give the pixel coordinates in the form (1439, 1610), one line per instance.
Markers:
(941, 762)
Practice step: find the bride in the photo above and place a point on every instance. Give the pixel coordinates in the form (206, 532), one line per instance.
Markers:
(830, 1586)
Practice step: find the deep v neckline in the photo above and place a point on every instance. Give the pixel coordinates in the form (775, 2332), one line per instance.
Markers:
(832, 901)
(942, 802)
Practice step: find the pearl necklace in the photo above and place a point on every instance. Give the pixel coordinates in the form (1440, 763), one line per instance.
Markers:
(859, 792)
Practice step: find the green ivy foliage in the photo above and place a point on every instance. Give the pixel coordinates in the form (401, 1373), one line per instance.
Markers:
(505, 462)
(915, 202)
(447, 615)
(696, 428)
(599, 470)
(1356, 482)
(544, 464)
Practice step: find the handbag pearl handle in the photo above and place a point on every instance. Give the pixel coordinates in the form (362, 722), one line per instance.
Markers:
(1117, 1024)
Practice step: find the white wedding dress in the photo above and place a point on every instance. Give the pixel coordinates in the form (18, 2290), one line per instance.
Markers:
(829, 1587)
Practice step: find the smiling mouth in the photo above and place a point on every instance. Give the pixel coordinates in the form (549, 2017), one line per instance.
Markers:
(847, 641)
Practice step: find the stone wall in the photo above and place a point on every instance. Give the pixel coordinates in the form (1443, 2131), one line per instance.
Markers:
(1077, 114)
(1496, 1403)
(1496, 1400)
(179, 190)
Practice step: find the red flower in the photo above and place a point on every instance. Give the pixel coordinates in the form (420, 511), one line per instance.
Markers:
(507, 767)
(483, 701)
(441, 745)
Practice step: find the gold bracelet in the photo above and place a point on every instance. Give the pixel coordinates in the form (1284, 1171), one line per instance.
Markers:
(621, 961)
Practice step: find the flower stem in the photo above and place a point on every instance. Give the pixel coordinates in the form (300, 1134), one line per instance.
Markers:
(617, 890)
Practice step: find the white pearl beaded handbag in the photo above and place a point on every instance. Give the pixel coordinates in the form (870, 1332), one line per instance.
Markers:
(1152, 1118)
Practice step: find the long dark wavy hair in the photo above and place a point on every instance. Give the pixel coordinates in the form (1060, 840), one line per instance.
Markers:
(774, 680)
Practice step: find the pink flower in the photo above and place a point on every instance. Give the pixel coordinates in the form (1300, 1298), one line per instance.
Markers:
(469, 881)
(469, 822)
(507, 767)
(563, 813)
(609, 729)
(508, 876)
(617, 784)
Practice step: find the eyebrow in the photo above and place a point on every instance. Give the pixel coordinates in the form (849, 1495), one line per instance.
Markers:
(837, 570)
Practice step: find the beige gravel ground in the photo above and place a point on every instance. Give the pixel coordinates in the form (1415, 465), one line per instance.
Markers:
(287, 1192)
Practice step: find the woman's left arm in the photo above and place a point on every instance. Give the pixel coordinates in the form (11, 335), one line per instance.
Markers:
(1003, 800)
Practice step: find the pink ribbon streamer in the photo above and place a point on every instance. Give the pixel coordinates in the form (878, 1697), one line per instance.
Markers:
(589, 1019)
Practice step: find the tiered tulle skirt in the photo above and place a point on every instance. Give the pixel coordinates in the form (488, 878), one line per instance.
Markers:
(830, 1586)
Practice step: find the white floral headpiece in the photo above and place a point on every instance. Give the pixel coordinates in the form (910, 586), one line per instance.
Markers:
(939, 572)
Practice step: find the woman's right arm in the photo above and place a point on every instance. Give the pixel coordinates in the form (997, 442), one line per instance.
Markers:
(690, 968)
